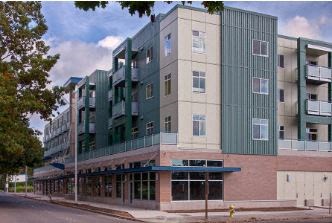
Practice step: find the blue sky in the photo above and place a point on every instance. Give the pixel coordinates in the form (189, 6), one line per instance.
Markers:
(85, 39)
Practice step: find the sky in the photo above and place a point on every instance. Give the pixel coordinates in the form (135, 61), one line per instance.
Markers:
(85, 40)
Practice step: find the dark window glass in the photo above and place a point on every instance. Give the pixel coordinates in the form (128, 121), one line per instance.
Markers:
(264, 48)
(215, 190)
(179, 176)
(281, 132)
(197, 162)
(197, 176)
(152, 190)
(256, 47)
(215, 176)
(137, 176)
(281, 95)
(152, 176)
(180, 163)
(215, 163)
(197, 190)
(144, 176)
(179, 190)
(281, 61)
(137, 189)
(145, 190)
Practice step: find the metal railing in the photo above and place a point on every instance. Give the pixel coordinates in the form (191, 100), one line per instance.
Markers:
(322, 108)
(81, 127)
(120, 109)
(146, 141)
(110, 95)
(81, 102)
(110, 123)
(119, 75)
(56, 149)
(297, 145)
(319, 73)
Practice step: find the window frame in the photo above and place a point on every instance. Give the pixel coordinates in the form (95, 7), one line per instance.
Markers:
(199, 125)
(260, 124)
(201, 37)
(281, 61)
(168, 43)
(167, 84)
(260, 48)
(282, 130)
(282, 95)
(260, 85)
(168, 124)
(149, 55)
(149, 128)
(149, 90)
(199, 77)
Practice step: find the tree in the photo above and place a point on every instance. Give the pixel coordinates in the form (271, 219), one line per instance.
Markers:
(24, 83)
(144, 7)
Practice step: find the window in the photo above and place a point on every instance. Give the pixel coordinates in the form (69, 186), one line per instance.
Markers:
(260, 129)
(149, 128)
(260, 48)
(149, 55)
(281, 132)
(167, 84)
(134, 132)
(312, 63)
(144, 186)
(149, 91)
(198, 44)
(199, 125)
(198, 81)
(281, 61)
(119, 180)
(191, 185)
(312, 97)
(168, 124)
(260, 85)
(108, 186)
(167, 45)
(312, 134)
(281, 95)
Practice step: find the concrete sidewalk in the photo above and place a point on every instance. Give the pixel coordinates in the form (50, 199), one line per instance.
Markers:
(162, 216)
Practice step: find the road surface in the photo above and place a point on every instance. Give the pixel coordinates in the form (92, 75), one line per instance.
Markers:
(14, 209)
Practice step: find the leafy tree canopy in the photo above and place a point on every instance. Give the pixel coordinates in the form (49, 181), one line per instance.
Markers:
(24, 80)
(144, 7)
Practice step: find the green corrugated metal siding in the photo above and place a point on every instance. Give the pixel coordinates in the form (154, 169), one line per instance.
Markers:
(149, 110)
(239, 66)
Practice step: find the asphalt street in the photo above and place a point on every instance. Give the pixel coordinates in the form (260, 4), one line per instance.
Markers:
(14, 209)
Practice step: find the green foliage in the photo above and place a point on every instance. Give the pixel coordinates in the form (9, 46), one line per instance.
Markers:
(145, 7)
(24, 67)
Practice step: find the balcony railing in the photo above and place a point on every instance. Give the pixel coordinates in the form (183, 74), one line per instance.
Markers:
(81, 102)
(146, 141)
(110, 123)
(119, 75)
(119, 109)
(317, 73)
(319, 108)
(56, 149)
(81, 128)
(305, 145)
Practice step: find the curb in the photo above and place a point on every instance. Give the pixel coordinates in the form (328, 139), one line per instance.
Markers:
(77, 206)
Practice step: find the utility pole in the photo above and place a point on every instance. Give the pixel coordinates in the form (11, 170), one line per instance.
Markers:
(15, 183)
(76, 156)
(26, 180)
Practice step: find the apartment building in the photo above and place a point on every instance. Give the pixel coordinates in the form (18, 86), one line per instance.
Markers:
(195, 98)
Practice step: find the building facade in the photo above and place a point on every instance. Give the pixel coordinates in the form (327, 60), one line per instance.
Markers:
(195, 98)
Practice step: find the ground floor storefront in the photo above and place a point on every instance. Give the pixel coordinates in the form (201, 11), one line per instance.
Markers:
(179, 180)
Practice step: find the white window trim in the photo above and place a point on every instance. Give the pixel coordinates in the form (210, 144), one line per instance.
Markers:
(260, 92)
(166, 39)
(168, 122)
(260, 41)
(198, 90)
(198, 130)
(146, 91)
(165, 80)
(252, 129)
(151, 53)
(197, 50)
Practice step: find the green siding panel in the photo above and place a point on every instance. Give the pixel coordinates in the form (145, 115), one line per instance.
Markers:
(238, 66)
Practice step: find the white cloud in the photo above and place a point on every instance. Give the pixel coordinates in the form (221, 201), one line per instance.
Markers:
(300, 26)
(110, 42)
(79, 58)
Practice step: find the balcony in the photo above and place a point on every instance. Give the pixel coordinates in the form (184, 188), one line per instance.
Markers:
(119, 109)
(296, 145)
(321, 108)
(119, 75)
(56, 149)
(81, 128)
(318, 74)
(110, 95)
(147, 141)
(81, 102)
